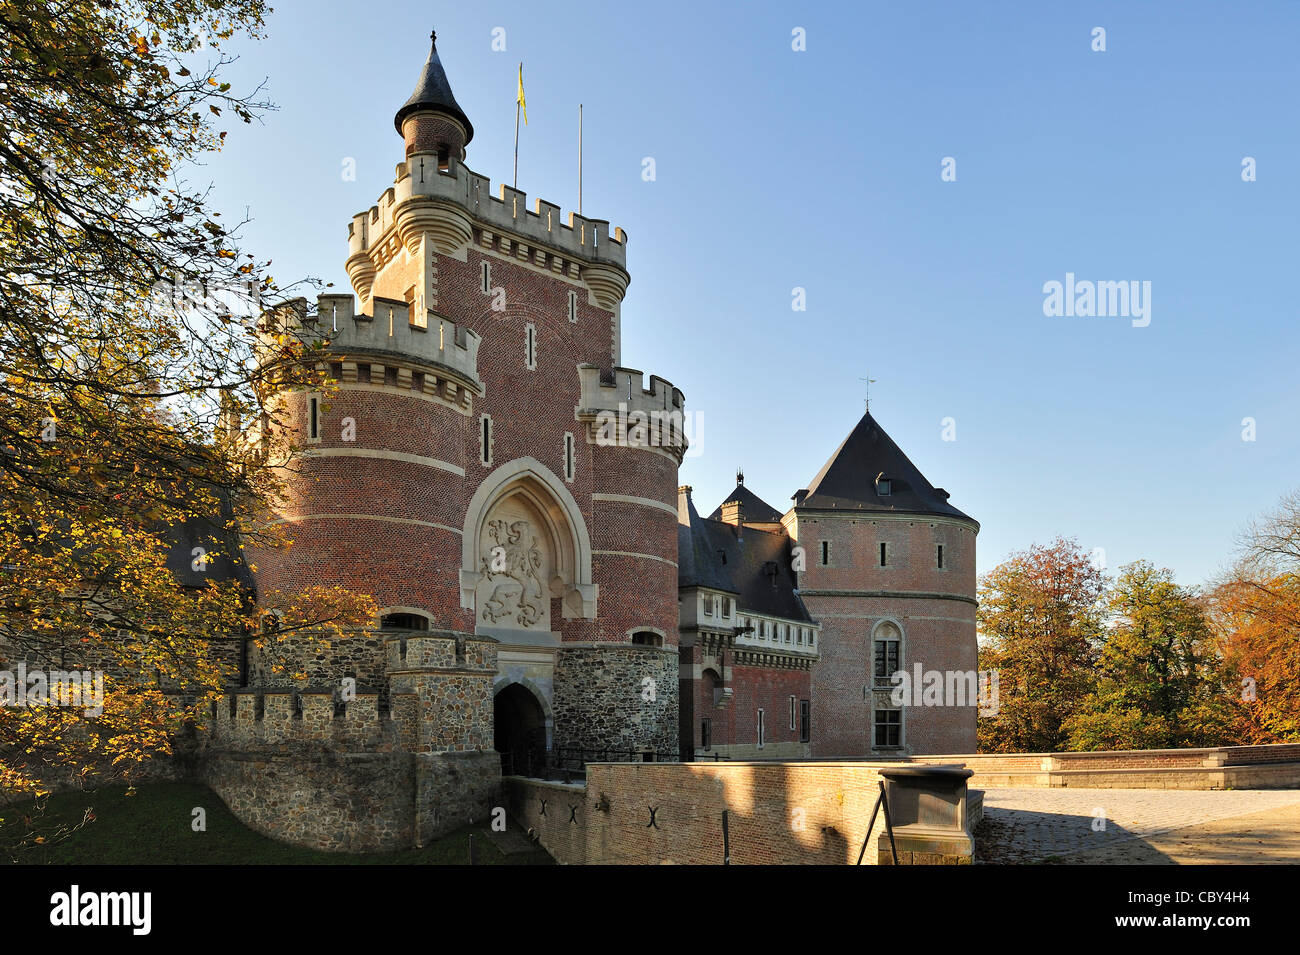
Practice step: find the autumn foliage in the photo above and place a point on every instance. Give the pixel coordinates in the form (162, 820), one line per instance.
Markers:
(138, 382)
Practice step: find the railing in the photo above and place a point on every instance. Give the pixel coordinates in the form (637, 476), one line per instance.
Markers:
(567, 763)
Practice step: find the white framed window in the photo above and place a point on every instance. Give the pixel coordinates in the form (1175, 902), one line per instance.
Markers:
(485, 440)
(573, 306)
(530, 346)
(485, 274)
(762, 729)
(708, 605)
(570, 457)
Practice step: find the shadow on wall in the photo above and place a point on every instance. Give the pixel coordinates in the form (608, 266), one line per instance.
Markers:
(652, 813)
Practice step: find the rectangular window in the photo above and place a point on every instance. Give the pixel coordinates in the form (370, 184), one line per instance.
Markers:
(762, 730)
(708, 606)
(884, 555)
(570, 464)
(889, 727)
(793, 717)
(530, 346)
(313, 418)
(486, 276)
(826, 553)
(805, 721)
(485, 441)
(706, 736)
(939, 557)
(886, 660)
(573, 306)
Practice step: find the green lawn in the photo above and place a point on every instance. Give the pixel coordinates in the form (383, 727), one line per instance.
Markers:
(152, 826)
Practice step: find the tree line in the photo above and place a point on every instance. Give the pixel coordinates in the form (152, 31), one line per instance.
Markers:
(1087, 661)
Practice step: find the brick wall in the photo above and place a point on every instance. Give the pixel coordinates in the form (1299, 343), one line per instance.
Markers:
(779, 813)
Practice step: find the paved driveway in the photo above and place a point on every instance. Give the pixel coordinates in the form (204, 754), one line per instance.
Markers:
(1139, 826)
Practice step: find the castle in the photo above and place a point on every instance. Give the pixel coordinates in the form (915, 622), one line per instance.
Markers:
(549, 593)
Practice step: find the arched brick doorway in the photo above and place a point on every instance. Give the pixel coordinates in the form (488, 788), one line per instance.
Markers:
(520, 730)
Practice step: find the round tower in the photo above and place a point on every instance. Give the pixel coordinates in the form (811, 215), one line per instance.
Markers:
(889, 570)
(487, 469)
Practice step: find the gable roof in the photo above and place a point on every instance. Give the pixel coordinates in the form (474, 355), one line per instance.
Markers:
(848, 480)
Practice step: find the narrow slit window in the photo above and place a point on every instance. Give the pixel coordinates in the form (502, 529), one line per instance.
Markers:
(884, 555)
(313, 418)
(573, 306)
(570, 465)
(487, 278)
(826, 553)
(530, 346)
(762, 730)
(485, 439)
(939, 556)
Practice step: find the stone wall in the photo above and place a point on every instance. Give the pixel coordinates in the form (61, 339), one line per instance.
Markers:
(601, 698)
(319, 798)
(1221, 767)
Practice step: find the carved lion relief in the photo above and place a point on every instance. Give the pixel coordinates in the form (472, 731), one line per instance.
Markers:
(512, 591)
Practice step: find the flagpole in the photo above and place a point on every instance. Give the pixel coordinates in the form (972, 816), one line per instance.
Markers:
(515, 184)
(579, 159)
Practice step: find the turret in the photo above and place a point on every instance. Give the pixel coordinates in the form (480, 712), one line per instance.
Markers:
(431, 121)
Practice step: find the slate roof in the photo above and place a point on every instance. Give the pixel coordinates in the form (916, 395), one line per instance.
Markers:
(432, 91)
(848, 480)
(753, 507)
(753, 565)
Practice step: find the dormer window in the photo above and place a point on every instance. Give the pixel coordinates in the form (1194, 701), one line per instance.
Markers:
(884, 486)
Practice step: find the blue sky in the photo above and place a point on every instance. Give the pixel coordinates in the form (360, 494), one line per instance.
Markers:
(820, 169)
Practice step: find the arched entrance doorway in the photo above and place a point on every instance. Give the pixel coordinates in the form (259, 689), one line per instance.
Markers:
(520, 731)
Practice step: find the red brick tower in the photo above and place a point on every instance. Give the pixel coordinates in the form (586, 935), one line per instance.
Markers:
(889, 571)
(482, 471)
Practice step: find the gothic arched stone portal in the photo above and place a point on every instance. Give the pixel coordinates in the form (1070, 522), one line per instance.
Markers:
(524, 542)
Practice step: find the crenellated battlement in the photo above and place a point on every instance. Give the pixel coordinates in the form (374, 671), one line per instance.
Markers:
(454, 206)
(418, 177)
(314, 715)
(618, 410)
(603, 392)
(446, 353)
(440, 650)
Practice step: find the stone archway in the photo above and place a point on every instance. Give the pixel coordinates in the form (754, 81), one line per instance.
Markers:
(519, 730)
(524, 542)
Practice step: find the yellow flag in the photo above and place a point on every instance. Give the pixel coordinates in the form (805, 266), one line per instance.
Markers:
(520, 98)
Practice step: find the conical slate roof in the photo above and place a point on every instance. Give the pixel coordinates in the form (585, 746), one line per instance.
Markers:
(754, 508)
(434, 92)
(848, 481)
